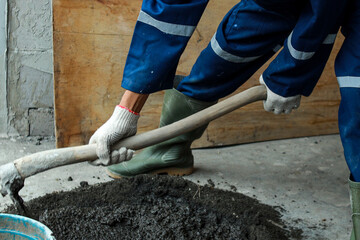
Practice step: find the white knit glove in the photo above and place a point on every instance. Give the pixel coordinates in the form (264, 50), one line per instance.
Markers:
(278, 104)
(122, 124)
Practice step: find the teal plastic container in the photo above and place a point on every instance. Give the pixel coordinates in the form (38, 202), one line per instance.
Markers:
(15, 227)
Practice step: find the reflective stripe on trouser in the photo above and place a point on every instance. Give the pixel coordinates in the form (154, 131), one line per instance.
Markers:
(347, 67)
(349, 126)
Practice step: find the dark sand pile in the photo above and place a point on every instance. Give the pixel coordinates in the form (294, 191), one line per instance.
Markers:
(157, 207)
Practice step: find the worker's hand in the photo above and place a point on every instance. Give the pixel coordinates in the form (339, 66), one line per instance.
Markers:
(278, 104)
(122, 124)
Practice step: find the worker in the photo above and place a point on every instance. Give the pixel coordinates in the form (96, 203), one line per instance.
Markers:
(252, 32)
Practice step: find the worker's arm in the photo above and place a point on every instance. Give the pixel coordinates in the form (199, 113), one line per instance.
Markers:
(297, 68)
(133, 101)
(161, 33)
(122, 123)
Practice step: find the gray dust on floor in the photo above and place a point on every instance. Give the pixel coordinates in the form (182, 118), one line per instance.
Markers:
(306, 177)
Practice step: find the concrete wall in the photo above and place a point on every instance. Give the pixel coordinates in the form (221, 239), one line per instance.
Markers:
(29, 68)
(3, 64)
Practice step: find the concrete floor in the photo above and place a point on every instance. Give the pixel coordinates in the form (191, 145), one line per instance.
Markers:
(307, 177)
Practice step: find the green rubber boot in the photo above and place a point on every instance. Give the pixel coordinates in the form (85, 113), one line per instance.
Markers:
(172, 157)
(355, 206)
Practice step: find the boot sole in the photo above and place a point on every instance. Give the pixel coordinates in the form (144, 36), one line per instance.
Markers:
(169, 171)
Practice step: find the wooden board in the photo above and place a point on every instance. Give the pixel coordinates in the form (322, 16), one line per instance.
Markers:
(91, 41)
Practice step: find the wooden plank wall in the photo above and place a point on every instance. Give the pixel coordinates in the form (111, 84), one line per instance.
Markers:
(91, 41)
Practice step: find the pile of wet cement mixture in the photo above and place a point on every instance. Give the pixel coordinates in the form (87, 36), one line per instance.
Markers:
(157, 207)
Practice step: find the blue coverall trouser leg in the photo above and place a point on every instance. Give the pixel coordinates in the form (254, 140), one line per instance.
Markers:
(240, 47)
(347, 67)
(237, 50)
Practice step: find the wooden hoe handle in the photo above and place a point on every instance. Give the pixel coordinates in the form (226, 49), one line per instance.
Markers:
(42, 161)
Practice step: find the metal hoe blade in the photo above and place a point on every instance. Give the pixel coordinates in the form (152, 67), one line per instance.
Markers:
(12, 183)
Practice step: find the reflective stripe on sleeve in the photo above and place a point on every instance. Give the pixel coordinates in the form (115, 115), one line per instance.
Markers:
(228, 56)
(168, 28)
(348, 81)
(298, 55)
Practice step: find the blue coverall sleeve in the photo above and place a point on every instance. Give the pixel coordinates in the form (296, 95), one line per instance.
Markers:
(161, 33)
(300, 63)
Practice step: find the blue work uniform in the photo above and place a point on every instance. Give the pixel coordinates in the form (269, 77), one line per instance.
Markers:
(161, 33)
(251, 33)
(347, 69)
